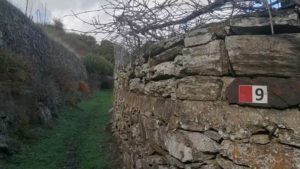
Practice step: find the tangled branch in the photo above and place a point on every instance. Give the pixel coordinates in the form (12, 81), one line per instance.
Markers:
(138, 21)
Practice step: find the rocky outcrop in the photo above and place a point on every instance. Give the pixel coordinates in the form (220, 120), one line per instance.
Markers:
(184, 109)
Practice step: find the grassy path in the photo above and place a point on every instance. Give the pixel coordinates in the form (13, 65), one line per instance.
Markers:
(76, 142)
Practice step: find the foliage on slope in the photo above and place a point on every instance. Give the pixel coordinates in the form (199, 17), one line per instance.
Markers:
(16, 94)
(98, 58)
(38, 76)
(82, 44)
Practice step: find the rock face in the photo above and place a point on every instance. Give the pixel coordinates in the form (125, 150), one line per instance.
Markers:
(181, 109)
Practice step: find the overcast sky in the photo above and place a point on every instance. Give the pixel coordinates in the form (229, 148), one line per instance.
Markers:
(60, 8)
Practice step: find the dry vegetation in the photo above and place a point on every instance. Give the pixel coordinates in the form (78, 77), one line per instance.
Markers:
(98, 58)
(134, 22)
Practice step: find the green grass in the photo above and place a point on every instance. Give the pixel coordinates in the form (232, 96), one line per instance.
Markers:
(83, 131)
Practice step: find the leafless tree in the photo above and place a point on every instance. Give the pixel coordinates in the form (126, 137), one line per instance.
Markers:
(138, 21)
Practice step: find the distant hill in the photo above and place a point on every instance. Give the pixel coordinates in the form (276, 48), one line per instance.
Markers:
(80, 43)
(98, 58)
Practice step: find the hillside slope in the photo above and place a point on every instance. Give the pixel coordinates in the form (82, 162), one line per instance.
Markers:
(98, 58)
(38, 75)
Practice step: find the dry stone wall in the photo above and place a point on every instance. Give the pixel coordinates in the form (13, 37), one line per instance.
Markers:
(178, 105)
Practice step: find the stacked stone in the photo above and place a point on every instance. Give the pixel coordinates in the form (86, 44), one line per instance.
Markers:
(177, 106)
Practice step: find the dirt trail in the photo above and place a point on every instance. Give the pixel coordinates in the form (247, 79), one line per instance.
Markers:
(79, 140)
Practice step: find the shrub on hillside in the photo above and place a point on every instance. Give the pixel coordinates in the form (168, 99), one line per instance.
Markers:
(84, 88)
(107, 82)
(14, 74)
(58, 24)
(106, 49)
(17, 100)
(98, 65)
(64, 79)
(98, 58)
(47, 91)
(81, 43)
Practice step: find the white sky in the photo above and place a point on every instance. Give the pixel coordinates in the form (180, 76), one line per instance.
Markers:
(59, 8)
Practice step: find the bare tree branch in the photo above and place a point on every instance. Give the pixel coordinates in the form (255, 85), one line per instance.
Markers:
(136, 21)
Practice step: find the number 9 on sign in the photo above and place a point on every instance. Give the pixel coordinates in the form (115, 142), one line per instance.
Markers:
(253, 94)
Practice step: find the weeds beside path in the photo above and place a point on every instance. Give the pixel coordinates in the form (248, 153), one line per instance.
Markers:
(77, 141)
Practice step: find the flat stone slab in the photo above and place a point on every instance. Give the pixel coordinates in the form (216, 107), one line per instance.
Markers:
(198, 40)
(167, 55)
(163, 70)
(199, 88)
(281, 93)
(208, 59)
(152, 49)
(289, 18)
(264, 55)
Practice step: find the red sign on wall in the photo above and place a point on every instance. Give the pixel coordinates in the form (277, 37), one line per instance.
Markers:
(253, 94)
